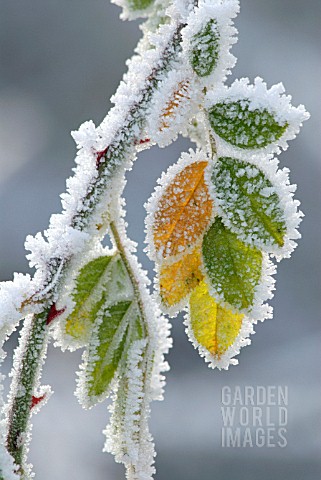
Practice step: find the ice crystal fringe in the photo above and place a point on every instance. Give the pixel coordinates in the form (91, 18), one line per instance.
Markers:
(133, 9)
(157, 325)
(281, 186)
(165, 122)
(138, 382)
(259, 310)
(197, 131)
(260, 97)
(223, 13)
(19, 390)
(12, 296)
(62, 240)
(264, 289)
(128, 436)
(227, 359)
(65, 300)
(182, 88)
(163, 182)
(7, 466)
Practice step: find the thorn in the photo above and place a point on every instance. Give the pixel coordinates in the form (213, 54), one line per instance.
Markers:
(54, 313)
(36, 400)
(142, 141)
(99, 156)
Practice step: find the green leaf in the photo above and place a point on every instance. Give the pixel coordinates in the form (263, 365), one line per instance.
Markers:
(136, 5)
(233, 268)
(85, 297)
(108, 319)
(249, 204)
(118, 326)
(104, 278)
(130, 411)
(205, 49)
(239, 124)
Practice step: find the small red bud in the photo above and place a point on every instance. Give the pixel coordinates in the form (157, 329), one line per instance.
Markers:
(36, 400)
(54, 313)
(99, 156)
(144, 140)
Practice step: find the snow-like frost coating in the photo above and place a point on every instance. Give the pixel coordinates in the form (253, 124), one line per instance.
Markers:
(182, 95)
(7, 466)
(260, 97)
(12, 295)
(130, 13)
(39, 348)
(280, 181)
(65, 300)
(158, 327)
(164, 181)
(179, 96)
(223, 13)
(141, 380)
(259, 310)
(128, 436)
(63, 240)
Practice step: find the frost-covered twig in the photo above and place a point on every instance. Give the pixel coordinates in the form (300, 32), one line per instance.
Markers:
(123, 133)
(26, 372)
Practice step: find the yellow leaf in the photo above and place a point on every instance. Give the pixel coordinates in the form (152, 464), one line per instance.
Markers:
(178, 279)
(184, 211)
(214, 327)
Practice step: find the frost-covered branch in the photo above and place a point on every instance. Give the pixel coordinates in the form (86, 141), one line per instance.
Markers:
(25, 387)
(104, 153)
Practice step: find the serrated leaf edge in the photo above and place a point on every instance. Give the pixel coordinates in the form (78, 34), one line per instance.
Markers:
(61, 337)
(151, 205)
(85, 368)
(128, 436)
(275, 101)
(132, 14)
(223, 13)
(224, 361)
(263, 291)
(187, 107)
(279, 178)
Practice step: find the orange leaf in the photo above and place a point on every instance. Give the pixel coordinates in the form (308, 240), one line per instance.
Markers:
(178, 279)
(184, 211)
(181, 93)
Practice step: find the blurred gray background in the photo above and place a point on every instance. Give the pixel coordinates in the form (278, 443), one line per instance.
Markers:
(61, 60)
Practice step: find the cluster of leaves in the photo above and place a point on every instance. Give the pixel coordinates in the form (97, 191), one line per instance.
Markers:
(216, 219)
(222, 212)
(106, 320)
(211, 227)
(107, 316)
